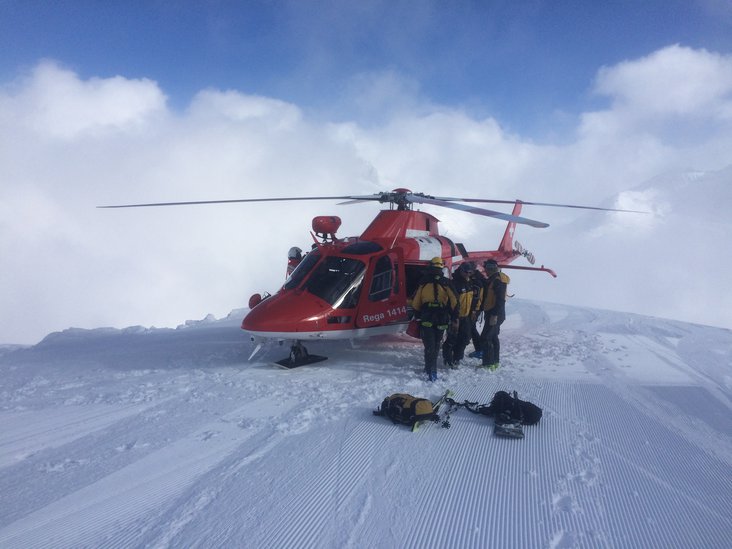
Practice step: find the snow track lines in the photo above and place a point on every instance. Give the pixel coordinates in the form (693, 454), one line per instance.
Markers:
(324, 503)
(155, 448)
(127, 495)
(27, 432)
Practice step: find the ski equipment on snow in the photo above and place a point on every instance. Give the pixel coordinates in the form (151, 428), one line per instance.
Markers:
(503, 403)
(406, 409)
(510, 413)
(436, 409)
(508, 425)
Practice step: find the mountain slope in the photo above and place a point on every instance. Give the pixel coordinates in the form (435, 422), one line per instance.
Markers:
(171, 438)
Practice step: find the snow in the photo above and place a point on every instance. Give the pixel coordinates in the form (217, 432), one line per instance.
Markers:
(149, 437)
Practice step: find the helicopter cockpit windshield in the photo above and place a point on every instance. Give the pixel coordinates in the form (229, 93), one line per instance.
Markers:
(336, 280)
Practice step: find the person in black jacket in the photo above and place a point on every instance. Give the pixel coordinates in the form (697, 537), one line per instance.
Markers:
(494, 310)
(478, 281)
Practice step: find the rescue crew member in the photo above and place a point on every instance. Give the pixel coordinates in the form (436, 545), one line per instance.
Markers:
(494, 310)
(458, 335)
(435, 305)
(294, 257)
(478, 281)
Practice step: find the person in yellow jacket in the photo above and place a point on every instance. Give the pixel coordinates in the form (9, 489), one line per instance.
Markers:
(494, 310)
(458, 336)
(436, 306)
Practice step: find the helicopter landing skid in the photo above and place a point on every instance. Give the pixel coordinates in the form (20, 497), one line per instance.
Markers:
(299, 356)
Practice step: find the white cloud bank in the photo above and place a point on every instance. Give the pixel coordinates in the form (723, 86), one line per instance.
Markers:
(67, 145)
(674, 81)
(54, 103)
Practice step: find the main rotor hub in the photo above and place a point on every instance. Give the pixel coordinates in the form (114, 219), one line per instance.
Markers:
(400, 198)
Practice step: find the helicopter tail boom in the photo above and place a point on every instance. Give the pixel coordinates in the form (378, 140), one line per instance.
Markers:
(508, 249)
(506, 245)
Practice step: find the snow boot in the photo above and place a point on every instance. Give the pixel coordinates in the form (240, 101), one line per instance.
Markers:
(433, 376)
(476, 354)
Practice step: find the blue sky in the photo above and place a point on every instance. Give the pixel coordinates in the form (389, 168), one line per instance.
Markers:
(624, 104)
(528, 64)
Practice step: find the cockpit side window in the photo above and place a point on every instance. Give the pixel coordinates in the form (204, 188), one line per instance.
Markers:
(302, 270)
(381, 283)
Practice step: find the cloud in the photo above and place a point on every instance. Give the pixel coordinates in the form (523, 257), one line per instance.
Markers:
(668, 264)
(674, 81)
(53, 101)
(237, 107)
(378, 96)
(676, 96)
(68, 144)
(67, 263)
(651, 204)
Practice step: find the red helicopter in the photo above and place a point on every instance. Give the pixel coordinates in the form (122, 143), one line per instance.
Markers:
(354, 287)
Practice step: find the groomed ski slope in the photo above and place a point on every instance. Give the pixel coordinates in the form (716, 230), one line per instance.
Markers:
(170, 438)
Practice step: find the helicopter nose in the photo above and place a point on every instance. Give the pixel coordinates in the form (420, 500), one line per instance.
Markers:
(287, 313)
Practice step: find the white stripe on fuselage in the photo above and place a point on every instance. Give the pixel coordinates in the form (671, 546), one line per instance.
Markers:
(334, 334)
(429, 247)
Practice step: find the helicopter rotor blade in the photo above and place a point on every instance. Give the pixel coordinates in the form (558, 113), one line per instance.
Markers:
(194, 202)
(400, 197)
(489, 201)
(422, 198)
(478, 211)
(356, 201)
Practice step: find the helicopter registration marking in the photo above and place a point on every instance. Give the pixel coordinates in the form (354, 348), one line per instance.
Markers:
(373, 318)
(391, 314)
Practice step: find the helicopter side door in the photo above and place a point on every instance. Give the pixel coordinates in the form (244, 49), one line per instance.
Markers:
(383, 298)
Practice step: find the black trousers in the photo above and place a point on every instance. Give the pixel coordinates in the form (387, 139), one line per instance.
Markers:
(431, 338)
(475, 333)
(490, 343)
(453, 349)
